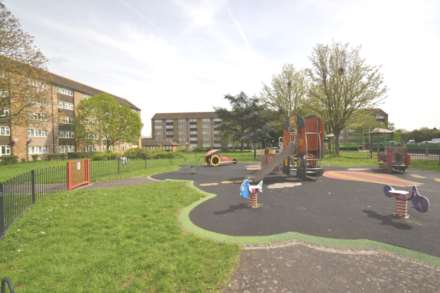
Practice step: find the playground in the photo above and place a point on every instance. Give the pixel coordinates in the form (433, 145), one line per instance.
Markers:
(328, 207)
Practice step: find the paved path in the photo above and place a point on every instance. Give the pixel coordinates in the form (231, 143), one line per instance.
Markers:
(303, 268)
(122, 182)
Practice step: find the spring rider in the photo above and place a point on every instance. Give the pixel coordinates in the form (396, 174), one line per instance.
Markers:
(250, 192)
(402, 197)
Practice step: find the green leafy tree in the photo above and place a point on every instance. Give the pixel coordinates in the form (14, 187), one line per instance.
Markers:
(103, 119)
(342, 83)
(245, 123)
(23, 79)
(287, 92)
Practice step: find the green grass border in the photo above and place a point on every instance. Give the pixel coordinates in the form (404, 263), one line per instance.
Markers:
(358, 244)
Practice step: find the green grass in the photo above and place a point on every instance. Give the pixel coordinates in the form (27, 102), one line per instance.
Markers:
(426, 165)
(9, 171)
(350, 159)
(105, 170)
(125, 239)
(353, 159)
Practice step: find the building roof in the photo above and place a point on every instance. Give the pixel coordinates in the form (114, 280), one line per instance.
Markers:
(185, 115)
(85, 89)
(58, 80)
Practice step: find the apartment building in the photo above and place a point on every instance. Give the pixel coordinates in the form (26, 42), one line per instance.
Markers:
(190, 129)
(48, 128)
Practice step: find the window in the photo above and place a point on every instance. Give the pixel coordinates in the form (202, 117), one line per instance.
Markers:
(64, 91)
(66, 134)
(65, 105)
(66, 149)
(4, 94)
(37, 149)
(4, 112)
(5, 150)
(5, 131)
(32, 132)
(90, 148)
(39, 116)
(66, 120)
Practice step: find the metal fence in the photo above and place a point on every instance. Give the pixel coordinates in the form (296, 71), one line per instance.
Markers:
(424, 154)
(20, 192)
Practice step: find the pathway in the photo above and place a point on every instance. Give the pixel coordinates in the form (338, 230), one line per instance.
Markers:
(303, 268)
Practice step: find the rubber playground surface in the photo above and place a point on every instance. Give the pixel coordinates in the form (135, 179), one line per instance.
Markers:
(335, 207)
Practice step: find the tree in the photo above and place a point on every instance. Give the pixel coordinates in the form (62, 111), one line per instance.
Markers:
(342, 83)
(23, 78)
(287, 92)
(245, 122)
(103, 119)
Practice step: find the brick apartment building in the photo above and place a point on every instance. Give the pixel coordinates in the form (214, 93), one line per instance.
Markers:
(49, 128)
(190, 129)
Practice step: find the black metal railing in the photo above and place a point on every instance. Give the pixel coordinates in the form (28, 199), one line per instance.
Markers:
(20, 192)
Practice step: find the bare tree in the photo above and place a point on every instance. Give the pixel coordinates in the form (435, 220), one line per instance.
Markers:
(287, 92)
(342, 83)
(23, 78)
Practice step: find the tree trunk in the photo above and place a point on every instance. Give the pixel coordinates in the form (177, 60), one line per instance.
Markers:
(337, 134)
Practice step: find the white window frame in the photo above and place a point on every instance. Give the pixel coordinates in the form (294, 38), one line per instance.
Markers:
(65, 91)
(5, 150)
(4, 112)
(5, 131)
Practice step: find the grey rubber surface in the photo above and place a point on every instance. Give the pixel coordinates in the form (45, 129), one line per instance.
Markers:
(327, 207)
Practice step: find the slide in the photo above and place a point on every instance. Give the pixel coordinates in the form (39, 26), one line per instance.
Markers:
(277, 161)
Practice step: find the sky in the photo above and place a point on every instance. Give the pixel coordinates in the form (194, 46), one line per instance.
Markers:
(178, 56)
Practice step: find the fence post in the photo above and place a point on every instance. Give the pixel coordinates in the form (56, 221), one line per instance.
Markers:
(2, 212)
(119, 165)
(33, 185)
(145, 163)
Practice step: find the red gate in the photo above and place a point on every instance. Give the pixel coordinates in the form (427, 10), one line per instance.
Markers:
(78, 173)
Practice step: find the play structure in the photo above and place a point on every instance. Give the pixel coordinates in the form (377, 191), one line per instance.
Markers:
(214, 158)
(300, 150)
(394, 158)
(402, 197)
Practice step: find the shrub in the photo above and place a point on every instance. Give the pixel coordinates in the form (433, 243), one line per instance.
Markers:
(35, 157)
(79, 155)
(8, 160)
(103, 156)
(53, 157)
(136, 153)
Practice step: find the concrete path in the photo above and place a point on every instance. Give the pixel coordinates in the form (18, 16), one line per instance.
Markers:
(303, 268)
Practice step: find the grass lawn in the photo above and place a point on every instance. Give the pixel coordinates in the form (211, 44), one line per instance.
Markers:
(105, 170)
(426, 165)
(123, 239)
(350, 159)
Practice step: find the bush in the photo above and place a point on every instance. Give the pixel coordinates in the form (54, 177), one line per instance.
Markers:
(35, 157)
(55, 157)
(103, 156)
(8, 160)
(79, 155)
(137, 153)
